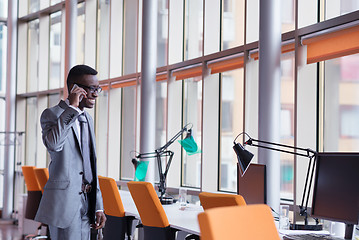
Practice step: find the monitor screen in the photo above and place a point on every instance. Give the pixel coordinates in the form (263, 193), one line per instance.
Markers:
(336, 187)
(252, 186)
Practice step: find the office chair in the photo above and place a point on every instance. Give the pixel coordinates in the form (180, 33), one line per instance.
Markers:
(42, 175)
(34, 194)
(154, 219)
(254, 222)
(117, 224)
(212, 200)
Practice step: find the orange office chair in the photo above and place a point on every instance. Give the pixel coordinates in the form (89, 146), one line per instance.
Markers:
(42, 175)
(153, 216)
(212, 200)
(117, 224)
(34, 193)
(254, 222)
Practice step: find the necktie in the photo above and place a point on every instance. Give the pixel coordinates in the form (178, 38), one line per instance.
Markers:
(85, 148)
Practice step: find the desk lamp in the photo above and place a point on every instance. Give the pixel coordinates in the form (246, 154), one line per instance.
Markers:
(244, 158)
(189, 145)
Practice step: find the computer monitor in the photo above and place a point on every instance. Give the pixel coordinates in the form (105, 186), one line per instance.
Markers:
(336, 188)
(252, 185)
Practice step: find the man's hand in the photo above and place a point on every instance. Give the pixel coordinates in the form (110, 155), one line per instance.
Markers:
(100, 220)
(76, 95)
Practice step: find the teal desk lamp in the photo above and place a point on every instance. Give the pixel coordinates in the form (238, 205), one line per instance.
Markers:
(189, 145)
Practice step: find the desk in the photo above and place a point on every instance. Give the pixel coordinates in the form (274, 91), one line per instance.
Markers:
(300, 232)
(183, 220)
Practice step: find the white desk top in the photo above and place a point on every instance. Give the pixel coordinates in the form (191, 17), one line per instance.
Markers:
(184, 220)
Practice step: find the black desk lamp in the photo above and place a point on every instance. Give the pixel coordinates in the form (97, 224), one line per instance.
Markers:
(188, 144)
(244, 158)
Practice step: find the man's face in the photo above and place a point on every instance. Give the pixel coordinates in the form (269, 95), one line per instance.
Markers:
(89, 83)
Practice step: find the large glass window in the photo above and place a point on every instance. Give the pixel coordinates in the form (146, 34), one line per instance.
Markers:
(80, 46)
(33, 56)
(3, 8)
(161, 113)
(31, 131)
(192, 113)
(252, 32)
(307, 12)
(128, 131)
(287, 125)
(34, 6)
(335, 8)
(55, 51)
(130, 36)
(53, 2)
(114, 136)
(162, 33)
(103, 43)
(231, 122)
(161, 119)
(3, 48)
(2, 137)
(116, 39)
(232, 23)
(193, 29)
(102, 132)
(341, 104)
(175, 41)
(287, 13)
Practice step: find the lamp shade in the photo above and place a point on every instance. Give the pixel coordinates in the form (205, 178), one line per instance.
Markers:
(189, 145)
(244, 157)
(141, 170)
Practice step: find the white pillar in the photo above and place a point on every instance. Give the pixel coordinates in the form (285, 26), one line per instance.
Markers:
(269, 93)
(148, 83)
(70, 38)
(9, 158)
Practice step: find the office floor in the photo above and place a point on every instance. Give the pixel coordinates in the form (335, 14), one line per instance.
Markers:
(8, 231)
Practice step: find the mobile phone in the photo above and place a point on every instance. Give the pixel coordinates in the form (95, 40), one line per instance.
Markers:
(73, 87)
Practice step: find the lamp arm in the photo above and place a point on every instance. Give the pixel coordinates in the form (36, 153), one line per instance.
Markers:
(306, 192)
(311, 154)
(279, 150)
(164, 147)
(307, 150)
(163, 175)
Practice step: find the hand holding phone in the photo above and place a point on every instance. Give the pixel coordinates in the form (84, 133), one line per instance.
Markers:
(76, 95)
(72, 89)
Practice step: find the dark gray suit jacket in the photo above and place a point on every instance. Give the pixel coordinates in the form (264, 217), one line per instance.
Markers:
(61, 198)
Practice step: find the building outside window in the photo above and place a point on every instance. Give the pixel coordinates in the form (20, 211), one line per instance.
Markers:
(341, 104)
(231, 115)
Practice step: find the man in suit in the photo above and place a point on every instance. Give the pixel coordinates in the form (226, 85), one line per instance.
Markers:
(72, 200)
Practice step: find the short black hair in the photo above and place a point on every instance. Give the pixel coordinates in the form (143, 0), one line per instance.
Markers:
(78, 71)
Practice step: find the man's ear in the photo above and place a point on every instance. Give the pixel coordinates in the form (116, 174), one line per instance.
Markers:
(70, 87)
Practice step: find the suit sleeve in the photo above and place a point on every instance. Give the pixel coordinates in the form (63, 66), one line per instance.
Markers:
(99, 201)
(55, 128)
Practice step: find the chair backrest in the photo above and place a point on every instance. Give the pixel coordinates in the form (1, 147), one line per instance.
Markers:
(42, 175)
(254, 222)
(148, 204)
(212, 200)
(112, 202)
(34, 193)
(31, 181)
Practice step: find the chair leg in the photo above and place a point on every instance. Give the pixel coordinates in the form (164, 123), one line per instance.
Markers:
(129, 221)
(192, 236)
